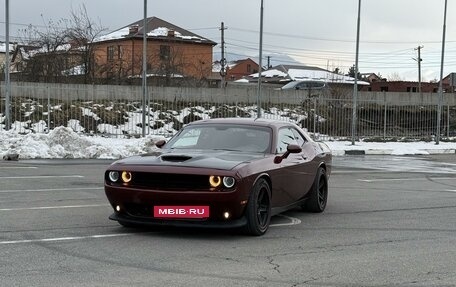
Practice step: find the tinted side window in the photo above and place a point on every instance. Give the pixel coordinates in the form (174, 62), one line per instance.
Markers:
(285, 137)
(298, 137)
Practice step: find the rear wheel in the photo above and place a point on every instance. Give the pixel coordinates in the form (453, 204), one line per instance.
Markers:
(258, 211)
(318, 193)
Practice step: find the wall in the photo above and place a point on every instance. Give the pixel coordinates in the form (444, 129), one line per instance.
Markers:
(230, 95)
(193, 60)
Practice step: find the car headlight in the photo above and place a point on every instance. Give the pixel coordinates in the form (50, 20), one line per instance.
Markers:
(126, 176)
(215, 181)
(113, 176)
(229, 181)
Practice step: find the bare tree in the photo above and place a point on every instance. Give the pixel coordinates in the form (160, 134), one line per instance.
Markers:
(82, 31)
(45, 61)
(61, 49)
(394, 77)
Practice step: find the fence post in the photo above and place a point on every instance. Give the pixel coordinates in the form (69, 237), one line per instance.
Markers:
(315, 118)
(49, 108)
(384, 121)
(448, 121)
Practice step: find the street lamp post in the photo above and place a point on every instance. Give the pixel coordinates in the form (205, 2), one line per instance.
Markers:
(7, 71)
(260, 62)
(439, 107)
(144, 71)
(355, 88)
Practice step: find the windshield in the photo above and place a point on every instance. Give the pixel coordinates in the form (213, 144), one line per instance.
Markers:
(223, 137)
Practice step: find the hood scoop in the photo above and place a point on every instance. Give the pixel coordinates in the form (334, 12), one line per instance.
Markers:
(175, 158)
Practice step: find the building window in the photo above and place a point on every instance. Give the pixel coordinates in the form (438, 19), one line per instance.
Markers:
(249, 68)
(165, 52)
(119, 52)
(110, 53)
(383, 89)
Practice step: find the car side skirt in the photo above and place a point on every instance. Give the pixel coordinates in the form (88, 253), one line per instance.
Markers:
(281, 209)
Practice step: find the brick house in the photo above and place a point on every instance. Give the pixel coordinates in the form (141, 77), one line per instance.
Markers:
(401, 86)
(371, 77)
(238, 69)
(171, 52)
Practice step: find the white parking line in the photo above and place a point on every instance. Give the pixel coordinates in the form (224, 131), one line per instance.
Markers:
(57, 239)
(49, 189)
(52, 207)
(18, 167)
(41, 176)
(294, 221)
(405, 179)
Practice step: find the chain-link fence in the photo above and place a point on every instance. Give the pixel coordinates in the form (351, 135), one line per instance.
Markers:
(117, 111)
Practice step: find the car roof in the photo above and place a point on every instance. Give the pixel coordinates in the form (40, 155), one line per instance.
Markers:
(244, 121)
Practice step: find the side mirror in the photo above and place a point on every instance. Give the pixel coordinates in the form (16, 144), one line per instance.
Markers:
(160, 143)
(291, 148)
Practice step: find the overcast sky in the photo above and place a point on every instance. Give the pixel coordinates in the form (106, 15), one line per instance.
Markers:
(318, 33)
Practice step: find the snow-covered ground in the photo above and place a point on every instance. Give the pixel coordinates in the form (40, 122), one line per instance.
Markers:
(63, 142)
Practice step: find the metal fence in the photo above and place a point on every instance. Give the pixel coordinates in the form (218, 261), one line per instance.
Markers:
(102, 111)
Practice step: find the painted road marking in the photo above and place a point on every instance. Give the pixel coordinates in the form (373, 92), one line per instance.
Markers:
(18, 167)
(58, 239)
(294, 221)
(52, 207)
(49, 189)
(406, 179)
(41, 176)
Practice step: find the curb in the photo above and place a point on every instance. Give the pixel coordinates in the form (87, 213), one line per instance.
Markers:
(390, 152)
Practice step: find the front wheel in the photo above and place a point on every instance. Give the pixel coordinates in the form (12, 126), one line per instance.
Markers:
(258, 211)
(318, 194)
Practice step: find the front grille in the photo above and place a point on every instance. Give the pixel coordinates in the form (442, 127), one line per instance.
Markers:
(167, 181)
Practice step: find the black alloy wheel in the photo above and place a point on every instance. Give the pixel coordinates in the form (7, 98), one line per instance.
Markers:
(318, 194)
(258, 211)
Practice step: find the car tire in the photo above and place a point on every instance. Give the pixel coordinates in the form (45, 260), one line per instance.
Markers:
(318, 193)
(258, 211)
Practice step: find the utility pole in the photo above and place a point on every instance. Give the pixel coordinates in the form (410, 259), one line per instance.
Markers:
(223, 60)
(419, 67)
(439, 107)
(269, 62)
(355, 88)
(7, 71)
(260, 62)
(144, 72)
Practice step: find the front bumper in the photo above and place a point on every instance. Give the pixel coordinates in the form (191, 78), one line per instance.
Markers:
(125, 218)
(138, 204)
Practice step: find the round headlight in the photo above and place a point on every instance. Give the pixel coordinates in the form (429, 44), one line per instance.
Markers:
(215, 181)
(113, 176)
(126, 176)
(229, 181)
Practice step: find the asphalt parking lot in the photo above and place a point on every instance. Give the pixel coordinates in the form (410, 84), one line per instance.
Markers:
(389, 221)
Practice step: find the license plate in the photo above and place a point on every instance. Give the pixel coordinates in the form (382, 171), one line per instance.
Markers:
(181, 211)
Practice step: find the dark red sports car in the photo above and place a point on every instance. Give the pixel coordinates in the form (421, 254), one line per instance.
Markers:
(222, 173)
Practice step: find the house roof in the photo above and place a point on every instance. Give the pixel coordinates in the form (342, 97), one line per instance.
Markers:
(156, 28)
(287, 73)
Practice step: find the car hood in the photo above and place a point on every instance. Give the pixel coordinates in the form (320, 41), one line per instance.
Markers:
(216, 159)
